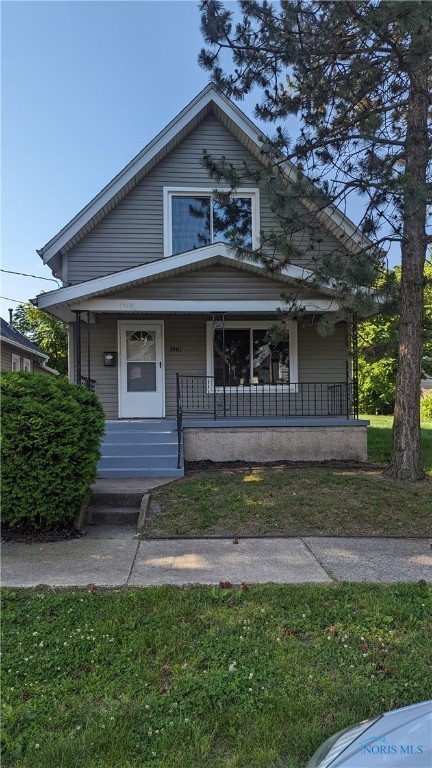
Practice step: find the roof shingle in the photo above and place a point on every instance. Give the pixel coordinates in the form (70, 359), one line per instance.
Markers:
(10, 334)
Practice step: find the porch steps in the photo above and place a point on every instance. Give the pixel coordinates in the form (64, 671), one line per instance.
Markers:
(140, 448)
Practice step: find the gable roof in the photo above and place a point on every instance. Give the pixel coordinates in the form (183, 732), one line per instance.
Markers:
(209, 100)
(62, 301)
(16, 339)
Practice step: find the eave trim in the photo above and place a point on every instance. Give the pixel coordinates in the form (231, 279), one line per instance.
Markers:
(201, 256)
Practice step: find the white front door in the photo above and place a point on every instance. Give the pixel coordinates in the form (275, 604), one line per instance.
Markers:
(141, 369)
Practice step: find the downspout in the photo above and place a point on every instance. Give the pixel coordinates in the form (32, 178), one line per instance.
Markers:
(78, 347)
(88, 350)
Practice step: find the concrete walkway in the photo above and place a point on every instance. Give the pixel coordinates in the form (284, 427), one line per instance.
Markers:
(113, 557)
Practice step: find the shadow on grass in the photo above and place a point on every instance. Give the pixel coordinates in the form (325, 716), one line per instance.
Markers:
(379, 444)
(380, 441)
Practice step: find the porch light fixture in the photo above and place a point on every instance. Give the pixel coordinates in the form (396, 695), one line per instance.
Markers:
(110, 359)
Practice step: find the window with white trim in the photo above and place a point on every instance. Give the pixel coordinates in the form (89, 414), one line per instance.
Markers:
(194, 218)
(26, 364)
(241, 355)
(16, 363)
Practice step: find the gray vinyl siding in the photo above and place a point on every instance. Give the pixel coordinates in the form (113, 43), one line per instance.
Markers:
(213, 283)
(6, 357)
(103, 338)
(320, 359)
(132, 233)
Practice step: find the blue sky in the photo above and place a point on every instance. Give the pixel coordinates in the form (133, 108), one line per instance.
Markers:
(85, 85)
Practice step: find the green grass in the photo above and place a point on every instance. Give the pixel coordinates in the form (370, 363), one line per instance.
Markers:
(294, 502)
(380, 436)
(204, 677)
(299, 501)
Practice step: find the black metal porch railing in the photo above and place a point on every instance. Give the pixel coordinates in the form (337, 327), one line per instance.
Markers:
(88, 383)
(198, 396)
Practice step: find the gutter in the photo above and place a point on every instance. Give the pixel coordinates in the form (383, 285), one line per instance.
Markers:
(16, 344)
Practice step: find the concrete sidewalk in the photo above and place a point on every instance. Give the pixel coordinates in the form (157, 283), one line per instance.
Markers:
(113, 557)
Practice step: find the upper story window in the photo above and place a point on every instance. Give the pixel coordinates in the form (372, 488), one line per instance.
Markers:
(16, 362)
(194, 218)
(26, 364)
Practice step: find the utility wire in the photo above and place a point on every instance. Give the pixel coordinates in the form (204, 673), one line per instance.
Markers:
(24, 274)
(17, 301)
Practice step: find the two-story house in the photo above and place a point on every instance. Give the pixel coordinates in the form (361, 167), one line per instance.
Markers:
(170, 327)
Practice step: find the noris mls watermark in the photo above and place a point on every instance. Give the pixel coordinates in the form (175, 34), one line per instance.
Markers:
(375, 745)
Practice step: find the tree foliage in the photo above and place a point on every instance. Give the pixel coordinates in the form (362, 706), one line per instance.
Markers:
(426, 406)
(378, 354)
(357, 77)
(46, 332)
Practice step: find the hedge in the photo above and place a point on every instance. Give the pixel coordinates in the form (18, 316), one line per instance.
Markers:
(51, 433)
(426, 406)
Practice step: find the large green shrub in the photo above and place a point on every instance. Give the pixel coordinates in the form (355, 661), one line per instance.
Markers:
(426, 406)
(377, 385)
(378, 353)
(51, 432)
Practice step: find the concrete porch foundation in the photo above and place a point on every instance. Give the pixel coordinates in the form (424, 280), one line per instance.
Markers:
(275, 443)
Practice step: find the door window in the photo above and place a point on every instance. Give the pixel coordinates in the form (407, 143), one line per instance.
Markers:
(141, 361)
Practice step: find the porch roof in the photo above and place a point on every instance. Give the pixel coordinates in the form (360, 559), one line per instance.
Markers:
(97, 295)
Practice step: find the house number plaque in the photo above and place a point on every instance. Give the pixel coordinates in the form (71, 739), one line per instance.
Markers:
(175, 348)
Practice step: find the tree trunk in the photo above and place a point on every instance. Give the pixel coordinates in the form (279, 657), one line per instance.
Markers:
(406, 458)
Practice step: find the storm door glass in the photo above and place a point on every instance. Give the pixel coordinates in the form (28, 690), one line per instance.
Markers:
(141, 361)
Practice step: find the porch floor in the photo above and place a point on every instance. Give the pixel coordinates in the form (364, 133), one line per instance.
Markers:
(263, 421)
(247, 421)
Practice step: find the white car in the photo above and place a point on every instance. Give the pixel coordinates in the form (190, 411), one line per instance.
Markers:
(401, 738)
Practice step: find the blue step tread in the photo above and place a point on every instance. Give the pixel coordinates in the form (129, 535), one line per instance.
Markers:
(144, 426)
(146, 462)
(134, 438)
(139, 449)
(133, 472)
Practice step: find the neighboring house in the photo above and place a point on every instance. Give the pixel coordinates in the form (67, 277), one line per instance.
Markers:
(19, 354)
(169, 327)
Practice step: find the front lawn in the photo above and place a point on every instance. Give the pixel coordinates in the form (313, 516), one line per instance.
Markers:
(380, 435)
(290, 501)
(204, 677)
(299, 501)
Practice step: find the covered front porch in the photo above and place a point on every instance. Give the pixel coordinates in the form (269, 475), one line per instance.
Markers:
(210, 387)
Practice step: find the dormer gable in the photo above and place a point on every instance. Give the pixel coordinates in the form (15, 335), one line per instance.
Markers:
(234, 129)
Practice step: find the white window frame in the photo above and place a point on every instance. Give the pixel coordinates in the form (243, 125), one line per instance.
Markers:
(17, 360)
(26, 364)
(248, 325)
(170, 192)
